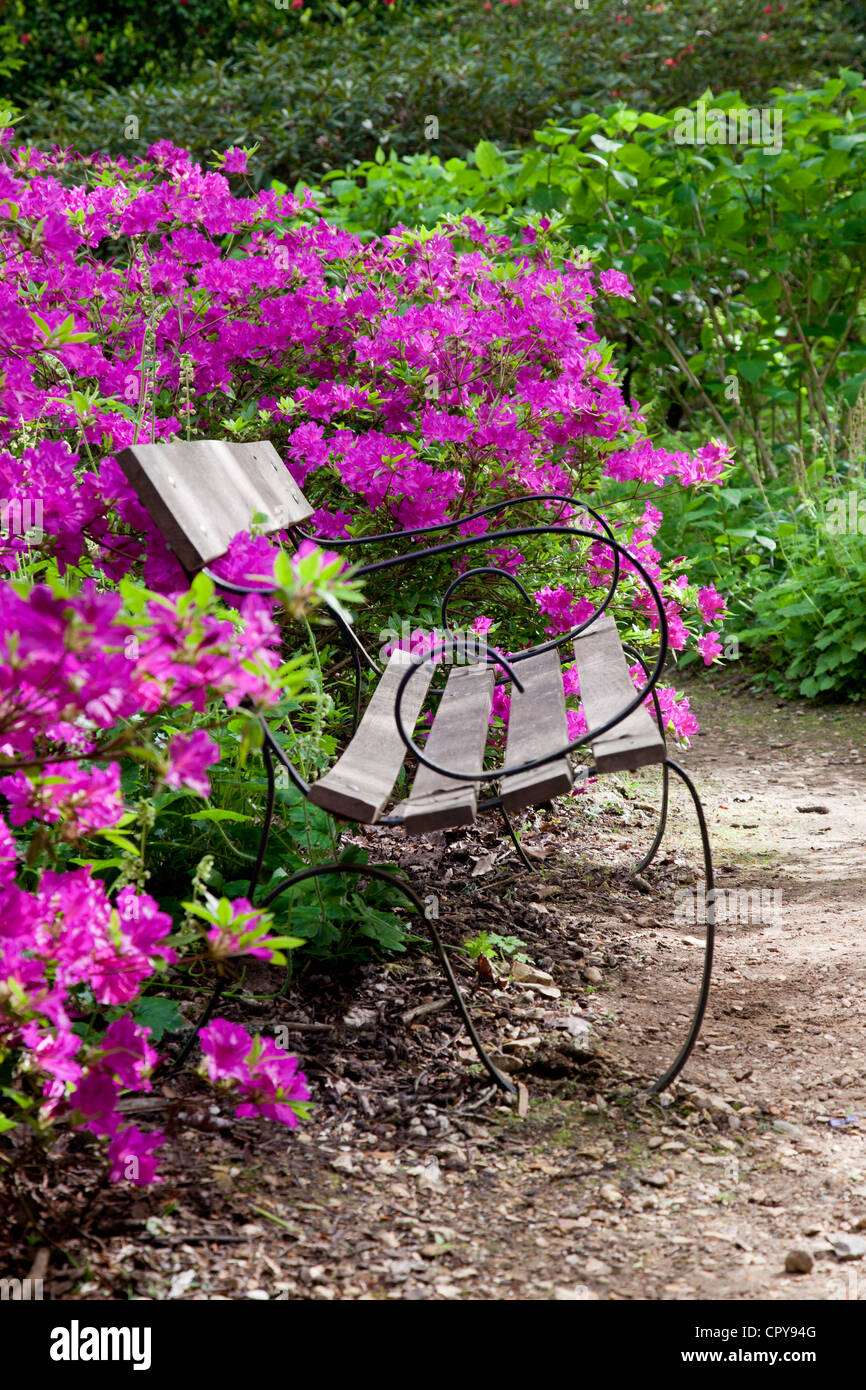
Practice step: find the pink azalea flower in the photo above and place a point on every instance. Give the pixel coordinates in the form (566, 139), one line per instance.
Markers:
(190, 755)
(235, 161)
(711, 603)
(709, 647)
(131, 1153)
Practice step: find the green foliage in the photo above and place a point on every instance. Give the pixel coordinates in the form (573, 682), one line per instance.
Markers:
(495, 947)
(749, 267)
(794, 564)
(315, 92)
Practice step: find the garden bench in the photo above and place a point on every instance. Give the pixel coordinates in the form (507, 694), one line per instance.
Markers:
(201, 494)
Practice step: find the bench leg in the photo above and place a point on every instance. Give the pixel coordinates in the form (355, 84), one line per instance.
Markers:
(660, 828)
(683, 1055)
(663, 811)
(372, 871)
(517, 845)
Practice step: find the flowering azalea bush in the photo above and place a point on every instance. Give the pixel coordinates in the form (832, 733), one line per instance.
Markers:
(406, 381)
(93, 682)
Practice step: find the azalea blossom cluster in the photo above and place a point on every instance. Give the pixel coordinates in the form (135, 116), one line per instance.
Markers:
(66, 947)
(408, 379)
(265, 1078)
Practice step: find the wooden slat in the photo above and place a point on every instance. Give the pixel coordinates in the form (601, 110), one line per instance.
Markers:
(536, 725)
(605, 688)
(201, 493)
(361, 781)
(457, 739)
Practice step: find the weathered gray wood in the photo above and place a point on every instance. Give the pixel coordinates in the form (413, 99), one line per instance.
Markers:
(201, 493)
(605, 688)
(536, 725)
(361, 781)
(457, 739)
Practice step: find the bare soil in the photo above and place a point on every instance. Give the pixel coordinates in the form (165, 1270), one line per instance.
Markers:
(413, 1180)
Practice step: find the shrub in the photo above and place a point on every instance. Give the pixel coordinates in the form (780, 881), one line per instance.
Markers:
(749, 266)
(324, 94)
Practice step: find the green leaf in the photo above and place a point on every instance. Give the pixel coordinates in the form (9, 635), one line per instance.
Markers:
(159, 1015)
(489, 161)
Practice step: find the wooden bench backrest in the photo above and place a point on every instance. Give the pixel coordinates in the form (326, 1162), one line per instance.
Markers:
(201, 493)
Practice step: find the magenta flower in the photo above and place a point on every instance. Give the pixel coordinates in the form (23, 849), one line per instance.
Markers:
(614, 282)
(132, 1156)
(709, 647)
(126, 1054)
(235, 161)
(95, 1097)
(190, 755)
(711, 603)
(226, 1047)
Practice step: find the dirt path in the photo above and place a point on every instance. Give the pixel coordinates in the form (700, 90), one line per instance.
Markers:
(411, 1182)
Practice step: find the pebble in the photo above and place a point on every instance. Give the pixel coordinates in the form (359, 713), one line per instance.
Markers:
(593, 975)
(798, 1262)
(848, 1247)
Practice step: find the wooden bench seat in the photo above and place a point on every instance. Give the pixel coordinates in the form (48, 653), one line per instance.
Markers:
(359, 785)
(605, 688)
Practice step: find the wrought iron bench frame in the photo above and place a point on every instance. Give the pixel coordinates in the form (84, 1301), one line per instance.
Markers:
(143, 464)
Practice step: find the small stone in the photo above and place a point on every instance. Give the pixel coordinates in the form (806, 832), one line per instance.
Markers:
(848, 1247)
(655, 1142)
(521, 1044)
(783, 1127)
(596, 1267)
(456, 1163)
(525, 974)
(343, 1163)
(611, 1194)
(593, 975)
(860, 1223)
(506, 1061)
(655, 1179)
(798, 1262)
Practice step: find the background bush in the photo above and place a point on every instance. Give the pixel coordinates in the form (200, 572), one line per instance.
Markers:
(318, 90)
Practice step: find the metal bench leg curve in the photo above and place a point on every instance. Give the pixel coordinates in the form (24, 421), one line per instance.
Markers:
(527, 863)
(372, 871)
(682, 1057)
(663, 809)
(660, 828)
